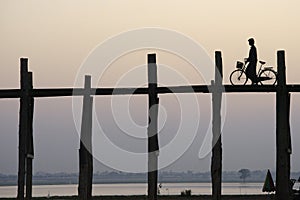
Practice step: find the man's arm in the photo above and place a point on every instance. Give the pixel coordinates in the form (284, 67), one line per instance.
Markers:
(252, 55)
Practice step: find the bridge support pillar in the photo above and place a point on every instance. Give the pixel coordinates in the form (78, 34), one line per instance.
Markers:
(283, 136)
(153, 147)
(85, 150)
(216, 161)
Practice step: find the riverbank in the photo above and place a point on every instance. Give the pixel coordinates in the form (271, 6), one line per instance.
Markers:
(194, 197)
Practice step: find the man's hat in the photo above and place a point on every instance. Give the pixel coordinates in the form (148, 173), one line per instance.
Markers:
(251, 40)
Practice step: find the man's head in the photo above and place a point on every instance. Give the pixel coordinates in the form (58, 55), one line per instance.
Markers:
(251, 41)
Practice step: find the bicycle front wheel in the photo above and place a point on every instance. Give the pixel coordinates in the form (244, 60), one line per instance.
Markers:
(268, 77)
(238, 77)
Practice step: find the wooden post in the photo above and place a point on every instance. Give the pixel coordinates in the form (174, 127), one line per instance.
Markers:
(216, 162)
(29, 143)
(23, 125)
(283, 137)
(153, 147)
(85, 151)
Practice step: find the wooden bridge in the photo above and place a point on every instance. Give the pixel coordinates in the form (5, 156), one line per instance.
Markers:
(27, 93)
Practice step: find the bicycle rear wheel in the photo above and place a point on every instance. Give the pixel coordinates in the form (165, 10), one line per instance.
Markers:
(238, 77)
(268, 77)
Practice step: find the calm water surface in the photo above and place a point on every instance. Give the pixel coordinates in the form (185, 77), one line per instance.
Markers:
(136, 189)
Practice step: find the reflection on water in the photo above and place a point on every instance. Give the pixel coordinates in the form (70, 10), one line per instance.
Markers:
(136, 189)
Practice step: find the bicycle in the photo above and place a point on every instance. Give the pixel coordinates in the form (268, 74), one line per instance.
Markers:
(266, 75)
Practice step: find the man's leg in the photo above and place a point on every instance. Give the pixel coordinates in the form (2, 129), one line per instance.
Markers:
(252, 73)
(249, 72)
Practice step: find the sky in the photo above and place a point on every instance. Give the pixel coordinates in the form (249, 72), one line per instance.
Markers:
(58, 36)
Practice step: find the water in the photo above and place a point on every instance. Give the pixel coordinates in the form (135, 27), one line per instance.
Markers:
(136, 189)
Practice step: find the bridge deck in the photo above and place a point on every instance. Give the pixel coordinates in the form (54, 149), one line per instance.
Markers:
(64, 92)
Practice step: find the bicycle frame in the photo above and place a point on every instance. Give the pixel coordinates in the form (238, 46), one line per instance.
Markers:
(245, 65)
(264, 74)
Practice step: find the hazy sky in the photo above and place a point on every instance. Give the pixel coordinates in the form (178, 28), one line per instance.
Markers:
(58, 35)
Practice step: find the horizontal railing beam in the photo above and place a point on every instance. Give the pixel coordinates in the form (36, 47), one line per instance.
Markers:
(64, 92)
(10, 93)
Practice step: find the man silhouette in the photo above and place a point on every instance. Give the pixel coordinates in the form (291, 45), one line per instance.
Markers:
(252, 60)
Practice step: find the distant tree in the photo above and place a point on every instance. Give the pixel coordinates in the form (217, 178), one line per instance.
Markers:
(245, 173)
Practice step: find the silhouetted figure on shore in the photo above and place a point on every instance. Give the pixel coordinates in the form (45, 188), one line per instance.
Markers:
(252, 60)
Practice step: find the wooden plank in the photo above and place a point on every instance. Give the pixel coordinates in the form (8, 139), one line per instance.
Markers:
(67, 92)
(153, 147)
(23, 125)
(216, 162)
(283, 138)
(10, 93)
(29, 143)
(85, 151)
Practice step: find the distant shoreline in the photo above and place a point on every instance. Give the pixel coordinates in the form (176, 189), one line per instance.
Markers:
(131, 182)
(168, 197)
(116, 177)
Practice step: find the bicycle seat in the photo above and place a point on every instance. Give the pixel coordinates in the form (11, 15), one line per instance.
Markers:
(268, 67)
(262, 62)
